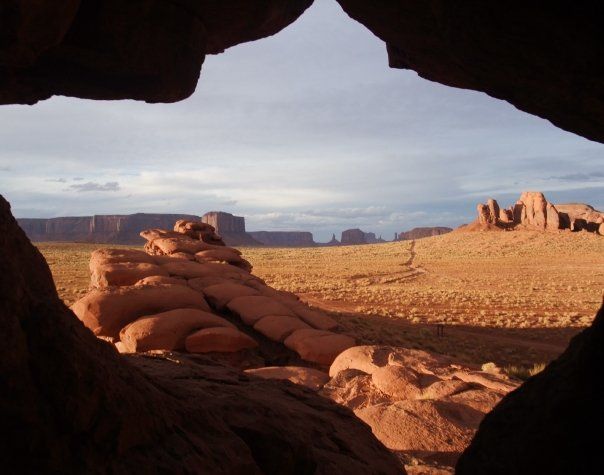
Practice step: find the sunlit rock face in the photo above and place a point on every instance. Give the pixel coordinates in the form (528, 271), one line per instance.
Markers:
(534, 212)
(150, 50)
(545, 61)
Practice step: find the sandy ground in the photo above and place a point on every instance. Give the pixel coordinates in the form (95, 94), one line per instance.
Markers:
(514, 298)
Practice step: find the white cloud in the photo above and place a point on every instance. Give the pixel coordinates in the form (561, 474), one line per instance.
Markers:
(93, 186)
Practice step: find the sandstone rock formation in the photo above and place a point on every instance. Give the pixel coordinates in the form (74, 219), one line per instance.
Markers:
(579, 216)
(553, 422)
(115, 229)
(420, 233)
(190, 292)
(71, 404)
(230, 228)
(418, 404)
(532, 211)
(224, 222)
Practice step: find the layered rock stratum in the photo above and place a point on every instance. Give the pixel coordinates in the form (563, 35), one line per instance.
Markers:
(231, 228)
(118, 229)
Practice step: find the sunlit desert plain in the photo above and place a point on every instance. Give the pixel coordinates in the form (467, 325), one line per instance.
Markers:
(511, 298)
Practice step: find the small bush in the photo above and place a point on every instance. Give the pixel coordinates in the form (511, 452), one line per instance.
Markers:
(524, 372)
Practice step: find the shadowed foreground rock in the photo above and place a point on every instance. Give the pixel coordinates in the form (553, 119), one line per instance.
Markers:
(70, 403)
(422, 406)
(553, 423)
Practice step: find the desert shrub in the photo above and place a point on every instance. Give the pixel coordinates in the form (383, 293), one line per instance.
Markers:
(524, 372)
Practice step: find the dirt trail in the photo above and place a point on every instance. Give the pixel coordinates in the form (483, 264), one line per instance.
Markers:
(410, 273)
(412, 254)
(492, 335)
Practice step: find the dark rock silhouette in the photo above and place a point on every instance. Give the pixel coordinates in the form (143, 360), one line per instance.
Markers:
(546, 61)
(370, 238)
(70, 404)
(148, 50)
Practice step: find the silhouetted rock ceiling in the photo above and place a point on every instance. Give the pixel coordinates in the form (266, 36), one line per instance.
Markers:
(544, 59)
(150, 50)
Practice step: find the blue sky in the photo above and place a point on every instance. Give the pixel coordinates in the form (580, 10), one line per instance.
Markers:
(306, 130)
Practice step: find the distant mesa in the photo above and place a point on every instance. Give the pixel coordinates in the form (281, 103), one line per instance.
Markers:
(232, 230)
(420, 233)
(356, 236)
(125, 229)
(117, 229)
(284, 238)
(533, 212)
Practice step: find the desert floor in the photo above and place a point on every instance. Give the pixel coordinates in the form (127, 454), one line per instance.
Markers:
(512, 298)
